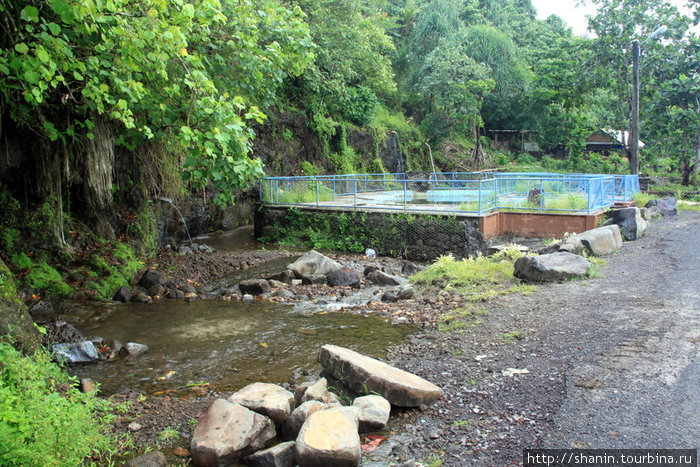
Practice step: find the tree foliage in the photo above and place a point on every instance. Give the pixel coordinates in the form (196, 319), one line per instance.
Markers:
(190, 77)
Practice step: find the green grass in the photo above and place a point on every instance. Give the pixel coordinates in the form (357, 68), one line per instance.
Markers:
(688, 207)
(305, 193)
(511, 336)
(460, 319)
(641, 198)
(434, 460)
(167, 436)
(569, 201)
(472, 276)
(595, 271)
(479, 279)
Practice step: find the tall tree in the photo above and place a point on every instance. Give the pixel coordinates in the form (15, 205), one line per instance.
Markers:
(616, 25)
(457, 85)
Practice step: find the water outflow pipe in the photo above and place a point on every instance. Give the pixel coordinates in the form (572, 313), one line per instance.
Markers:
(170, 202)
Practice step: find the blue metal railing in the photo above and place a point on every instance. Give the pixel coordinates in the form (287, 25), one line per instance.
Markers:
(477, 193)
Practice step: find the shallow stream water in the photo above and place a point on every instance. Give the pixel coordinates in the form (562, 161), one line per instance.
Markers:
(224, 345)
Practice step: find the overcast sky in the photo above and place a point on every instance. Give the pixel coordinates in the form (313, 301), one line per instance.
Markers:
(575, 15)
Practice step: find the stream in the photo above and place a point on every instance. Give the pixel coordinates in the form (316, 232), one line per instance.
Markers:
(223, 345)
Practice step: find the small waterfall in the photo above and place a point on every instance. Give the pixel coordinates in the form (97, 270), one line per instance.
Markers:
(395, 152)
(170, 202)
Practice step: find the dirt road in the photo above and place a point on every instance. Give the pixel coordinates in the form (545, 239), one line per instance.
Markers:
(612, 362)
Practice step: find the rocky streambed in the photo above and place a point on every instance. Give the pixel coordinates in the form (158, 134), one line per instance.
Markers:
(504, 377)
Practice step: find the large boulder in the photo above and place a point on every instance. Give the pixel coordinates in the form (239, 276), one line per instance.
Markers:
(313, 263)
(602, 241)
(330, 437)
(123, 294)
(632, 224)
(152, 277)
(381, 278)
(267, 399)
(281, 455)
(254, 286)
(361, 373)
(667, 206)
(76, 352)
(552, 267)
(374, 412)
(345, 277)
(228, 432)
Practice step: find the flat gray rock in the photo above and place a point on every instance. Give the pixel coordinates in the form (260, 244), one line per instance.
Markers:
(267, 399)
(667, 206)
(76, 352)
(602, 241)
(381, 278)
(552, 267)
(361, 373)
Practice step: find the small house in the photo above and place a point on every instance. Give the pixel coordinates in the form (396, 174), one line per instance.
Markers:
(604, 141)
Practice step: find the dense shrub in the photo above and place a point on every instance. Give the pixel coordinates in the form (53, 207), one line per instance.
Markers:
(44, 420)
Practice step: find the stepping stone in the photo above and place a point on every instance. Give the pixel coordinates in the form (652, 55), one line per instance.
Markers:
(361, 373)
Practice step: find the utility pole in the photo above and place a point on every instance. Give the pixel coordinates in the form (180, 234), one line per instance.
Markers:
(633, 140)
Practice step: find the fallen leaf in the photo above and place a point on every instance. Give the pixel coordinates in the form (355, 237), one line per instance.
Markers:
(182, 452)
(263, 344)
(372, 442)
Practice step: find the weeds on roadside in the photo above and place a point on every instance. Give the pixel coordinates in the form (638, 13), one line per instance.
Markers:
(511, 336)
(461, 318)
(642, 198)
(479, 278)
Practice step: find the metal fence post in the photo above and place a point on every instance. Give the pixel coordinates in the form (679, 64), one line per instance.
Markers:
(354, 192)
(404, 194)
(589, 197)
(480, 185)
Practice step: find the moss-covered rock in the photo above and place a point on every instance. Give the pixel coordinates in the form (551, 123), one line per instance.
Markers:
(15, 322)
